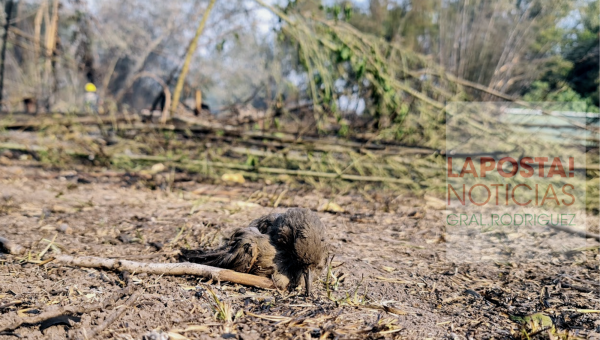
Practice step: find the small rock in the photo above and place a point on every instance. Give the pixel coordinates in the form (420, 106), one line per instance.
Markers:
(125, 238)
(332, 208)
(157, 245)
(229, 336)
(154, 335)
(84, 180)
(233, 177)
(64, 228)
(58, 209)
(156, 168)
(112, 241)
(242, 290)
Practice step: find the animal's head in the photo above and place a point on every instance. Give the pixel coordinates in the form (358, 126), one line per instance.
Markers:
(304, 233)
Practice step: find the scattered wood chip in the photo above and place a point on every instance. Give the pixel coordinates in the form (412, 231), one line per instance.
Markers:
(197, 328)
(388, 269)
(274, 318)
(12, 303)
(176, 336)
(391, 280)
(331, 207)
(156, 168)
(233, 177)
(388, 309)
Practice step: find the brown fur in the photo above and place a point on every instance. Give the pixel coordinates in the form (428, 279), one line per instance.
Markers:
(280, 246)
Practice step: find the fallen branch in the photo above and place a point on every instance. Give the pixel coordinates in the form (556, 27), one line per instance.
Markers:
(166, 269)
(193, 125)
(579, 288)
(45, 121)
(388, 309)
(581, 233)
(12, 303)
(243, 167)
(11, 247)
(306, 173)
(37, 149)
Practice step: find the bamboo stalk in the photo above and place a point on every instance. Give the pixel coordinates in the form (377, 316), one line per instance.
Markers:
(198, 102)
(313, 143)
(37, 148)
(268, 170)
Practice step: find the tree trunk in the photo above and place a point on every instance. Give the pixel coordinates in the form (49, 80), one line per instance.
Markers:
(51, 38)
(188, 58)
(8, 10)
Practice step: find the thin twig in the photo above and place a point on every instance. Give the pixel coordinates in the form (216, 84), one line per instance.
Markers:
(581, 233)
(113, 316)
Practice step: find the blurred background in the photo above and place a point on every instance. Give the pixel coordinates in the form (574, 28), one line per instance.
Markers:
(347, 91)
(252, 54)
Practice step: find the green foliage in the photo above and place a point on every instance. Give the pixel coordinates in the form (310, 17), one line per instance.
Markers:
(341, 61)
(572, 67)
(583, 51)
(542, 92)
(399, 58)
(344, 130)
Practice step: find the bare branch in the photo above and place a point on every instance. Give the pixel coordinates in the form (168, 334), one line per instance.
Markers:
(166, 269)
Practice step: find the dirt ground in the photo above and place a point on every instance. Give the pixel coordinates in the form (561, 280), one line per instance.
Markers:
(390, 276)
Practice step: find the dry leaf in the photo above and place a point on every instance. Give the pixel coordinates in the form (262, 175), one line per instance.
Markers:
(332, 207)
(435, 203)
(197, 328)
(243, 204)
(4, 160)
(381, 278)
(176, 336)
(59, 209)
(235, 178)
(388, 269)
(156, 168)
(394, 310)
